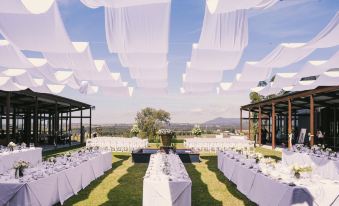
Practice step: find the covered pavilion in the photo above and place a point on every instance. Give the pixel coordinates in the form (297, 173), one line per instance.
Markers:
(312, 110)
(40, 118)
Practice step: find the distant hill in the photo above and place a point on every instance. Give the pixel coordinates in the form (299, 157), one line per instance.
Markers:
(221, 121)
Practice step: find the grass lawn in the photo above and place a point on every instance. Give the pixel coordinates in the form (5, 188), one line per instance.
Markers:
(122, 185)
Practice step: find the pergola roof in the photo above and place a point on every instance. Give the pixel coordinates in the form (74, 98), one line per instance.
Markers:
(46, 102)
(323, 96)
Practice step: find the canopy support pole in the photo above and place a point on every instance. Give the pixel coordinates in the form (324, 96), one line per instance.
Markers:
(289, 124)
(273, 126)
(312, 119)
(259, 126)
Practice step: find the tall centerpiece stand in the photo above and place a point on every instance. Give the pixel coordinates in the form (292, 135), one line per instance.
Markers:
(166, 136)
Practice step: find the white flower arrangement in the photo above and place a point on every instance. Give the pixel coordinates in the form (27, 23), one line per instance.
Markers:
(162, 132)
(297, 170)
(135, 130)
(11, 145)
(52, 159)
(21, 165)
(23, 144)
(196, 131)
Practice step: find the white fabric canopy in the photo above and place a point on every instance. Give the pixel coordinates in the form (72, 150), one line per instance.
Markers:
(119, 3)
(285, 54)
(138, 28)
(328, 37)
(11, 57)
(284, 80)
(25, 6)
(118, 91)
(222, 6)
(252, 72)
(46, 31)
(212, 59)
(189, 87)
(227, 31)
(150, 60)
(150, 91)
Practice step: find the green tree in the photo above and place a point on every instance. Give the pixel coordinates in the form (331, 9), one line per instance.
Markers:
(149, 121)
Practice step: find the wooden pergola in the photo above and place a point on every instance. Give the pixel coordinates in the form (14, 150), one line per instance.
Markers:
(39, 114)
(287, 106)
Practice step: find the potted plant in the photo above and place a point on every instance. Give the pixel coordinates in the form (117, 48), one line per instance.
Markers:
(11, 146)
(166, 136)
(135, 130)
(196, 131)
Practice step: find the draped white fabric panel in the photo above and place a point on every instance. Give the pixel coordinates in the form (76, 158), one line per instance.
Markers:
(226, 31)
(268, 90)
(150, 60)
(252, 72)
(119, 3)
(212, 59)
(222, 6)
(328, 37)
(285, 54)
(46, 31)
(284, 80)
(25, 6)
(149, 73)
(138, 28)
(304, 85)
(11, 57)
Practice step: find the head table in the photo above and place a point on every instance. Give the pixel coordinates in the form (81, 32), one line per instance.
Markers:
(7, 158)
(51, 182)
(274, 184)
(166, 182)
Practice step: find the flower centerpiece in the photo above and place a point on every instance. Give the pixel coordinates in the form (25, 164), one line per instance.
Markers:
(297, 170)
(166, 136)
(19, 168)
(135, 130)
(329, 151)
(23, 145)
(258, 157)
(11, 146)
(196, 131)
(52, 160)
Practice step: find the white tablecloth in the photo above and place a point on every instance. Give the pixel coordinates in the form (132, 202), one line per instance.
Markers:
(57, 187)
(264, 190)
(216, 144)
(117, 143)
(165, 192)
(321, 165)
(32, 155)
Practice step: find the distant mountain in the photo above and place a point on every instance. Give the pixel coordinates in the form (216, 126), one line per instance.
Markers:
(221, 121)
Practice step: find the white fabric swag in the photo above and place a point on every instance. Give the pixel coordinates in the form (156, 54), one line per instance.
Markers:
(25, 6)
(223, 6)
(214, 59)
(228, 31)
(46, 31)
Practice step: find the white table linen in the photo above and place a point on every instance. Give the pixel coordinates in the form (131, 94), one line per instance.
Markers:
(171, 189)
(56, 187)
(271, 187)
(326, 168)
(31, 155)
(117, 143)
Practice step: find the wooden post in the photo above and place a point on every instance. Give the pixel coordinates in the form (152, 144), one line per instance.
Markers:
(81, 130)
(90, 122)
(289, 124)
(70, 125)
(312, 120)
(8, 106)
(35, 122)
(240, 120)
(249, 123)
(259, 126)
(14, 136)
(273, 125)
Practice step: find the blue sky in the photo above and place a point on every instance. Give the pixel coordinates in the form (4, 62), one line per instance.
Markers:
(287, 21)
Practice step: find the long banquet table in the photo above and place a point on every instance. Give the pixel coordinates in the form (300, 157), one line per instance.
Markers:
(263, 189)
(161, 189)
(327, 168)
(31, 155)
(56, 187)
(117, 143)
